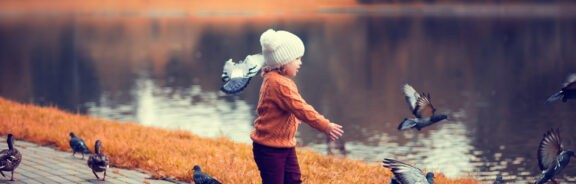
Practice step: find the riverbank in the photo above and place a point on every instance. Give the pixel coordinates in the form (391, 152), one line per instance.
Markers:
(44, 164)
(173, 153)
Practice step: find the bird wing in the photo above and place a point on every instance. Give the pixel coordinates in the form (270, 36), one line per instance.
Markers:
(91, 160)
(411, 96)
(200, 177)
(98, 161)
(393, 180)
(424, 107)
(549, 148)
(4, 154)
(570, 82)
(235, 85)
(4, 157)
(77, 144)
(82, 143)
(405, 173)
(103, 159)
(254, 64)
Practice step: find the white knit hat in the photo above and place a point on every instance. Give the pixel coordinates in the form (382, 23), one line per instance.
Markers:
(280, 47)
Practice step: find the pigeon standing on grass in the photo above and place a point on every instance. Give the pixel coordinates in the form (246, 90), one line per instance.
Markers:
(407, 174)
(237, 75)
(10, 158)
(568, 90)
(203, 178)
(422, 108)
(98, 161)
(78, 145)
(552, 157)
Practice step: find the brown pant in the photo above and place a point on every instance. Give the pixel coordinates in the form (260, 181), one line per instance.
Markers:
(277, 165)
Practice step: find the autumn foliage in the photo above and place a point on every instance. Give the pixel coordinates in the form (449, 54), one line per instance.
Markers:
(173, 153)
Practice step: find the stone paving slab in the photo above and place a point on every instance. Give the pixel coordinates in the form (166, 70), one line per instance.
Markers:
(44, 164)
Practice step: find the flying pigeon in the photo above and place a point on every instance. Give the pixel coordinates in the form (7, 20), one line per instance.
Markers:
(237, 75)
(568, 90)
(407, 174)
(78, 145)
(498, 179)
(203, 178)
(422, 108)
(552, 157)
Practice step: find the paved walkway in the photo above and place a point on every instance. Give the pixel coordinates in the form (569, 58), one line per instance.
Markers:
(43, 164)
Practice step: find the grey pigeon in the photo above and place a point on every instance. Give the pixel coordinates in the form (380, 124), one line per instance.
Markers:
(237, 75)
(203, 178)
(407, 174)
(78, 145)
(552, 157)
(498, 179)
(98, 161)
(422, 108)
(568, 90)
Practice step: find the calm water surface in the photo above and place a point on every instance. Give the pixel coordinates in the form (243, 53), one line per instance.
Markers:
(491, 76)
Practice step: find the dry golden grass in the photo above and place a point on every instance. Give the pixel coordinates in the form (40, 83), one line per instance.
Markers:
(167, 153)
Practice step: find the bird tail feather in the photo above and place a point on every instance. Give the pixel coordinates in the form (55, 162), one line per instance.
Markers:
(555, 97)
(86, 150)
(407, 124)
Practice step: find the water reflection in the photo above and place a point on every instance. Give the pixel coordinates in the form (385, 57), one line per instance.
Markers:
(490, 75)
(205, 113)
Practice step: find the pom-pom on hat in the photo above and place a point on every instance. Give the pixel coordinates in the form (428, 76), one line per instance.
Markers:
(280, 47)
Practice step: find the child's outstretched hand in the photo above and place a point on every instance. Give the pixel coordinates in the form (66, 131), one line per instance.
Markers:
(334, 131)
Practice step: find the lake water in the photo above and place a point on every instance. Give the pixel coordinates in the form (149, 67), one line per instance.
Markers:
(489, 74)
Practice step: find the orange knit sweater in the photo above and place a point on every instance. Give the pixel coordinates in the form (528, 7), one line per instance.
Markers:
(280, 107)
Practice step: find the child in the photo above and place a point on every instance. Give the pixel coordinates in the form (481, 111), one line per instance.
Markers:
(280, 109)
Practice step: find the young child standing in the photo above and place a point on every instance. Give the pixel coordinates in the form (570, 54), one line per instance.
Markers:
(280, 110)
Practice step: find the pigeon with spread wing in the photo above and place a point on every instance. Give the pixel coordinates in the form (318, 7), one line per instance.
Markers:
(552, 157)
(422, 108)
(407, 174)
(568, 90)
(237, 75)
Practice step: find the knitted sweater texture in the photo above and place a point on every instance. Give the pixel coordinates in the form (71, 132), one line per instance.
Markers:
(280, 108)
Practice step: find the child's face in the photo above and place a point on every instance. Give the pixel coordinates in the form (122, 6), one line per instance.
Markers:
(292, 67)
